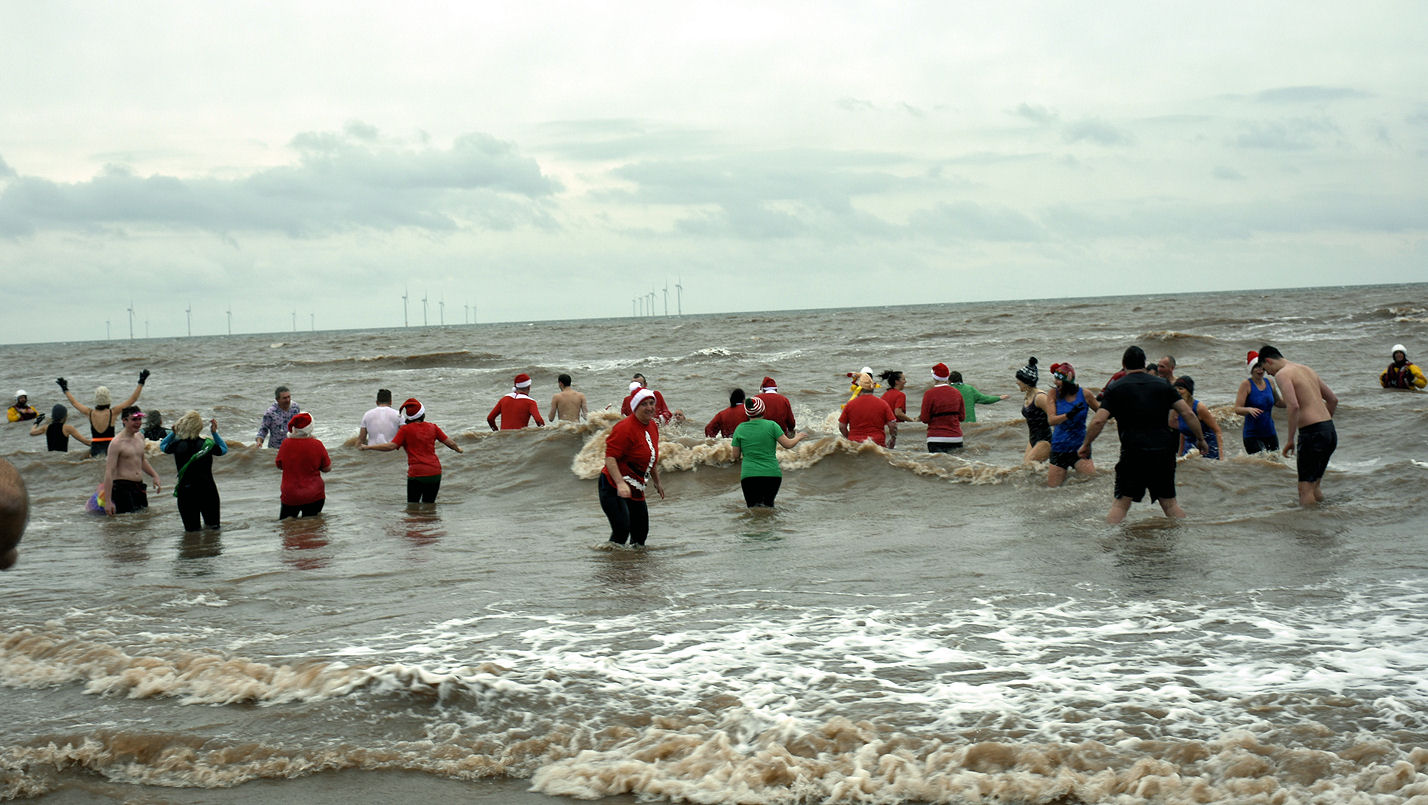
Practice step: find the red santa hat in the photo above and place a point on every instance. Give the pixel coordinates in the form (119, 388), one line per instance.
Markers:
(300, 420)
(941, 372)
(1251, 358)
(768, 384)
(412, 410)
(523, 381)
(639, 397)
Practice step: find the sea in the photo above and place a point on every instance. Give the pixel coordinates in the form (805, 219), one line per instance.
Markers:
(902, 628)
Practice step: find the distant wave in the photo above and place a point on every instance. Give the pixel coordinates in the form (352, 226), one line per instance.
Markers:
(1174, 337)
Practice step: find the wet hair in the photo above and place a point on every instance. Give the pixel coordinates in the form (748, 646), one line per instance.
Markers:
(58, 414)
(1186, 382)
(279, 392)
(1066, 389)
(154, 419)
(891, 376)
(384, 396)
(563, 380)
(1133, 359)
(955, 377)
(639, 377)
(736, 397)
(188, 426)
(1266, 352)
(130, 410)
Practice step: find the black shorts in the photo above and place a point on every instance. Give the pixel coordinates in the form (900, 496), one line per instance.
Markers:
(1068, 459)
(128, 496)
(943, 447)
(286, 510)
(1142, 470)
(1256, 444)
(1316, 444)
(423, 488)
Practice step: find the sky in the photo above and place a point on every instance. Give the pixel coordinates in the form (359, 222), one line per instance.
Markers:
(267, 166)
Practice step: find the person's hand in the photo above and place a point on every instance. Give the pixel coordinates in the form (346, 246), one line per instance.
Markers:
(158, 487)
(1288, 449)
(660, 489)
(144, 375)
(109, 507)
(38, 419)
(212, 426)
(62, 383)
(1255, 411)
(622, 489)
(1084, 451)
(1203, 446)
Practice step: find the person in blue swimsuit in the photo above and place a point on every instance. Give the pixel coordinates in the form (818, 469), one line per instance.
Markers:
(1065, 411)
(1257, 398)
(1185, 385)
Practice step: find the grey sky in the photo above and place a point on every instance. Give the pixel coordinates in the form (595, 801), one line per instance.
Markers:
(548, 160)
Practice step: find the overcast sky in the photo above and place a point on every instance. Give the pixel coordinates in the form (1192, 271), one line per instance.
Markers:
(547, 160)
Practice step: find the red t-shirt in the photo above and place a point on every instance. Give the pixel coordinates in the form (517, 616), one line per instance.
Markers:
(662, 412)
(302, 462)
(943, 410)
(635, 448)
(895, 399)
(419, 440)
(777, 409)
(725, 421)
(866, 416)
(515, 412)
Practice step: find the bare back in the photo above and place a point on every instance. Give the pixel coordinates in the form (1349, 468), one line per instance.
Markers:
(568, 405)
(1303, 389)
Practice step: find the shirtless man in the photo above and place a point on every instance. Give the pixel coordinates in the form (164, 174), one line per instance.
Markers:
(1165, 367)
(1311, 406)
(14, 513)
(567, 404)
(123, 489)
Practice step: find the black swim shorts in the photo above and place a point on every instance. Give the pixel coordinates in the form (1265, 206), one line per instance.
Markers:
(1257, 444)
(1142, 470)
(128, 496)
(1067, 460)
(1315, 444)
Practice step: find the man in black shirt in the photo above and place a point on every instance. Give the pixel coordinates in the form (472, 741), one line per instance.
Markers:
(1141, 404)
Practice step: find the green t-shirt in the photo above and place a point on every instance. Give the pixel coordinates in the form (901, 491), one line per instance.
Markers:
(758, 439)
(970, 398)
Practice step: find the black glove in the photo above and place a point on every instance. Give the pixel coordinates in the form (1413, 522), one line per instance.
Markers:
(63, 384)
(144, 375)
(39, 419)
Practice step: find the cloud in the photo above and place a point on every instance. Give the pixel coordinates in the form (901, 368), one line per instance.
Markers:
(1037, 114)
(1228, 174)
(1299, 134)
(1097, 132)
(967, 221)
(1309, 94)
(339, 182)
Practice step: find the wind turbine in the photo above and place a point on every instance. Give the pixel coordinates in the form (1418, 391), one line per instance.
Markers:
(294, 319)
(312, 321)
(442, 307)
(652, 301)
(189, 311)
(423, 308)
(679, 296)
(106, 330)
(666, 297)
(230, 320)
(632, 306)
(404, 307)
(131, 319)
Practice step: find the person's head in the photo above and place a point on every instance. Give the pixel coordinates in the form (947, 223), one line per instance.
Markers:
(940, 373)
(21, 399)
(1400, 355)
(1185, 385)
(1027, 375)
(642, 406)
(1064, 375)
(58, 413)
(1165, 367)
(522, 382)
(300, 426)
(564, 381)
(640, 379)
(14, 513)
(188, 426)
(133, 418)
(1133, 359)
(1272, 359)
(102, 399)
(736, 397)
(154, 419)
(892, 378)
(283, 396)
(954, 377)
(754, 407)
(768, 384)
(384, 396)
(413, 411)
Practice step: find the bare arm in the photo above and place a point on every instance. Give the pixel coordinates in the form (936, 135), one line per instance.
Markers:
(384, 447)
(1208, 419)
(1194, 422)
(1240, 397)
(361, 436)
(1291, 402)
(78, 406)
(106, 490)
(149, 471)
(789, 442)
(453, 445)
(74, 433)
(133, 398)
(1093, 431)
(1331, 401)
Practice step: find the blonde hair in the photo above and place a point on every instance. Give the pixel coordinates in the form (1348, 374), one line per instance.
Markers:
(189, 426)
(101, 396)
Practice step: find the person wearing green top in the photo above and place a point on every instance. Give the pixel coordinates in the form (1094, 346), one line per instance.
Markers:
(756, 445)
(970, 396)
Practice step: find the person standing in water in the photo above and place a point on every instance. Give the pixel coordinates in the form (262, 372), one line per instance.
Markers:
(303, 459)
(1255, 401)
(1066, 413)
(971, 397)
(1037, 428)
(516, 409)
(631, 466)
(724, 422)
(277, 419)
(419, 437)
(756, 444)
(125, 466)
(1185, 387)
(59, 431)
(101, 412)
(942, 411)
(198, 501)
(1311, 405)
(895, 397)
(567, 404)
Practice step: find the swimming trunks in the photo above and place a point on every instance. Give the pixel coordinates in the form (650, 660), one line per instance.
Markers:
(1316, 444)
(1142, 470)
(128, 496)
(1067, 459)
(1038, 429)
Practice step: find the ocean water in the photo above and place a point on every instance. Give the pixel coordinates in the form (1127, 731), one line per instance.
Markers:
(904, 627)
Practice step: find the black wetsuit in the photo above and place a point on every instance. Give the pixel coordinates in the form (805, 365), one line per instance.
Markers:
(196, 492)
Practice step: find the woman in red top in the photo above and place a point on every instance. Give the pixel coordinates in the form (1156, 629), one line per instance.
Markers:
(894, 396)
(724, 422)
(418, 437)
(631, 464)
(302, 459)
